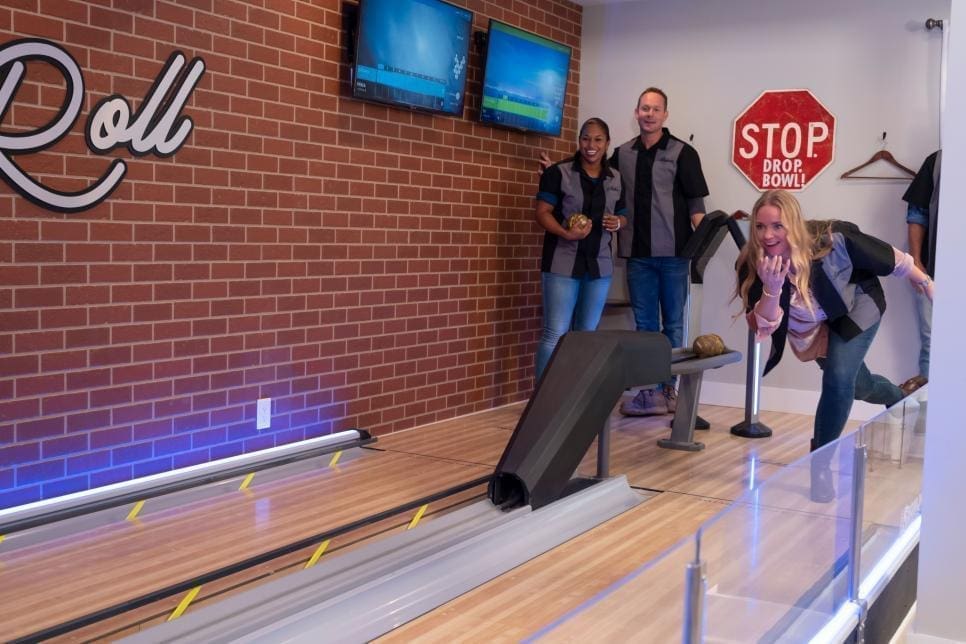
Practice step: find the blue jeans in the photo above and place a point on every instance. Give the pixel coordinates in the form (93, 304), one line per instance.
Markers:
(846, 378)
(569, 303)
(924, 310)
(658, 288)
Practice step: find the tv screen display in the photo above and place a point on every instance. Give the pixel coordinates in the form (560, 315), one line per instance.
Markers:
(524, 80)
(412, 53)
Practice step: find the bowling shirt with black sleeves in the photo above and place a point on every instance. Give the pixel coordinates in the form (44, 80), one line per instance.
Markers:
(570, 190)
(664, 186)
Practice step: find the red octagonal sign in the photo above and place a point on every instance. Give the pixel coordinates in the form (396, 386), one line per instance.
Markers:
(784, 139)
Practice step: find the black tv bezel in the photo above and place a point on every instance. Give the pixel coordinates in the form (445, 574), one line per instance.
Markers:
(485, 67)
(354, 65)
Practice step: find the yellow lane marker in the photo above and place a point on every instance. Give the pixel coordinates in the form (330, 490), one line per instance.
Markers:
(2, 537)
(133, 514)
(419, 515)
(335, 458)
(318, 553)
(248, 481)
(183, 606)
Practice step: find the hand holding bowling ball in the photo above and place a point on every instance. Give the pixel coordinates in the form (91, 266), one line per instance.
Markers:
(578, 226)
(577, 220)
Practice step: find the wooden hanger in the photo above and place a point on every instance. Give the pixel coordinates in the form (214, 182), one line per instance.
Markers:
(881, 155)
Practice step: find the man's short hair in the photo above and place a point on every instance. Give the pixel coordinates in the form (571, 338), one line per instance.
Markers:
(652, 90)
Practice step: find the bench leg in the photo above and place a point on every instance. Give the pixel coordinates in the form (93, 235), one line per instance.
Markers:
(682, 427)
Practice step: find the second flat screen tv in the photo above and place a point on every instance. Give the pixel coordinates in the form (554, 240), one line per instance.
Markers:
(524, 80)
(412, 53)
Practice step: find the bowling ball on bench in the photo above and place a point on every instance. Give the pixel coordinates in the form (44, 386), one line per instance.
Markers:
(709, 344)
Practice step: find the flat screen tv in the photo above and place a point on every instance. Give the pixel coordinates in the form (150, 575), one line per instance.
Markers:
(412, 53)
(524, 80)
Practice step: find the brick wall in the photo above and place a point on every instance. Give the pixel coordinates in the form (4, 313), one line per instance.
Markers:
(361, 265)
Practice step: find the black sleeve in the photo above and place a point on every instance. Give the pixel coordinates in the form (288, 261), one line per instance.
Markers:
(621, 207)
(690, 176)
(549, 189)
(613, 159)
(919, 192)
(867, 252)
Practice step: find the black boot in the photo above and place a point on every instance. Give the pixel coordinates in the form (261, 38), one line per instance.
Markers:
(822, 485)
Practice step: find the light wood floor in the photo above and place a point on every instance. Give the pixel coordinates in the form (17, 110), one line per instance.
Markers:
(56, 580)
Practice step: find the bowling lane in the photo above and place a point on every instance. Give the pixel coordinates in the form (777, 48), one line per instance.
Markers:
(69, 574)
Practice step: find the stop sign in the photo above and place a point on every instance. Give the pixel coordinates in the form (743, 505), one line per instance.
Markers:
(784, 139)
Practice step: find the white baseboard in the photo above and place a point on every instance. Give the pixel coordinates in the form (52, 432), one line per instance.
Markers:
(920, 638)
(796, 401)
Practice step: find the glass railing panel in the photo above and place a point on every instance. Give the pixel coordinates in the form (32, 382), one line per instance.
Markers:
(895, 443)
(646, 605)
(777, 560)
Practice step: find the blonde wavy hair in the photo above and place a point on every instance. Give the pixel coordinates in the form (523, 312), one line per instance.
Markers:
(808, 241)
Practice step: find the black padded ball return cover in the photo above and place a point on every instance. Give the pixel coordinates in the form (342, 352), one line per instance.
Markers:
(587, 374)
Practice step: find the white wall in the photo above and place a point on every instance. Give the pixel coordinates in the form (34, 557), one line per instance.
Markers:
(871, 62)
(942, 561)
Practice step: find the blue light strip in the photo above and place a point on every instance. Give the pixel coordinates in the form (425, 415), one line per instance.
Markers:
(67, 500)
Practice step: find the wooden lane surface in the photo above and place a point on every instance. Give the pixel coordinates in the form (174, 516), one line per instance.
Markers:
(477, 438)
(56, 581)
(724, 469)
(133, 621)
(532, 595)
(758, 568)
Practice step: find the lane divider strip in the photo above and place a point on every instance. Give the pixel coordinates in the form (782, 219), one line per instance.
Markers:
(335, 458)
(133, 514)
(318, 553)
(419, 515)
(183, 606)
(248, 481)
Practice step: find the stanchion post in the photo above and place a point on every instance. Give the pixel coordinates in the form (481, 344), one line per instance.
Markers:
(751, 426)
(695, 591)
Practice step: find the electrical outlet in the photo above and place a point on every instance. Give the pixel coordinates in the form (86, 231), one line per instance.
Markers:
(263, 413)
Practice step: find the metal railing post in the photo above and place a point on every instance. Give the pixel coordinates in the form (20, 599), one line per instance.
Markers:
(695, 591)
(859, 459)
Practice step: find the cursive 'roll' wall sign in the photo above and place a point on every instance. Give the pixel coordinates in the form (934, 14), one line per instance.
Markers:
(155, 128)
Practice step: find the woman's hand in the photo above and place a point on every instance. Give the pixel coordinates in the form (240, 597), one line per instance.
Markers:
(613, 223)
(772, 272)
(579, 231)
(926, 286)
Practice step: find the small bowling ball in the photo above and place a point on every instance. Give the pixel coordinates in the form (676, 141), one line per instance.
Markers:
(577, 220)
(709, 344)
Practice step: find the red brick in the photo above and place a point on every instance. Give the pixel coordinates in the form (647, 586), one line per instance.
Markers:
(53, 405)
(88, 420)
(88, 337)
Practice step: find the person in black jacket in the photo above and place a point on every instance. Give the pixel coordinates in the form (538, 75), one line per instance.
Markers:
(815, 284)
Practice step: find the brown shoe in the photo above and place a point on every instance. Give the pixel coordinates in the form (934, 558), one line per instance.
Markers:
(913, 384)
(647, 402)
